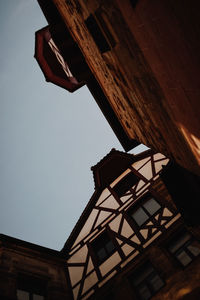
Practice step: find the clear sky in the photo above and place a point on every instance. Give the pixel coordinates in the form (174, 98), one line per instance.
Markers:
(49, 138)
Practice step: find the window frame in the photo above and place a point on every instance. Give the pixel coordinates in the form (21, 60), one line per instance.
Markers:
(31, 285)
(93, 251)
(140, 205)
(127, 182)
(30, 294)
(146, 281)
(183, 247)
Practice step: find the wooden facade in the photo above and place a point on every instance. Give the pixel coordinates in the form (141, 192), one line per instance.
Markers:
(124, 218)
(144, 57)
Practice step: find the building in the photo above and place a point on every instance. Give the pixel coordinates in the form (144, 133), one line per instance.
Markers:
(138, 237)
(144, 60)
(63, 64)
(131, 241)
(31, 272)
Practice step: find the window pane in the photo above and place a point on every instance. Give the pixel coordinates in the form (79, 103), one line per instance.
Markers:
(184, 258)
(144, 292)
(110, 247)
(194, 250)
(22, 295)
(156, 282)
(152, 206)
(146, 281)
(101, 254)
(140, 216)
(179, 242)
(38, 297)
(103, 247)
(142, 274)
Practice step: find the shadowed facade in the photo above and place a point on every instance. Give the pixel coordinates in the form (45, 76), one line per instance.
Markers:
(144, 57)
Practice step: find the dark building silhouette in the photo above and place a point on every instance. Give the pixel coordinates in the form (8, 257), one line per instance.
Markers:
(140, 60)
(31, 272)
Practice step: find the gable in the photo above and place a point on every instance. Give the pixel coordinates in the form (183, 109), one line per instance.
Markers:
(105, 204)
(109, 238)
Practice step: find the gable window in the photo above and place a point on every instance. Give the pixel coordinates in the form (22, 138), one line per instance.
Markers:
(29, 288)
(146, 281)
(103, 247)
(125, 184)
(145, 211)
(184, 248)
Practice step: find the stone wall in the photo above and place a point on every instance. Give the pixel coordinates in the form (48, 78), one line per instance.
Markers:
(148, 97)
(18, 258)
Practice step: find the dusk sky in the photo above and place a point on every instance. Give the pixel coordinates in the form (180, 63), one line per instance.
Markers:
(49, 138)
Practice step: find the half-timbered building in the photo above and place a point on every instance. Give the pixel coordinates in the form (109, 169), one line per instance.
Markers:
(128, 216)
(130, 243)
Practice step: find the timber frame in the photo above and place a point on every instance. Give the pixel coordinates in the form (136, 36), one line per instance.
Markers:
(107, 212)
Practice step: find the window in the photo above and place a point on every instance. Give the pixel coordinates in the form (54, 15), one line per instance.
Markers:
(146, 282)
(145, 211)
(184, 248)
(134, 3)
(100, 32)
(125, 184)
(103, 247)
(24, 295)
(29, 288)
